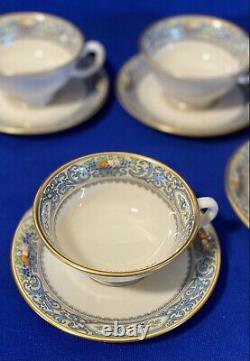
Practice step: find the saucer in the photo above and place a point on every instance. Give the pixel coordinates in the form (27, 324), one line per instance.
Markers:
(237, 182)
(74, 303)
(141, 95)
(77, 102)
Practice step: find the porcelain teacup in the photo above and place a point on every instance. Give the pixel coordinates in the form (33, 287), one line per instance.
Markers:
(118, 216)
(197, 59)
(39, 53)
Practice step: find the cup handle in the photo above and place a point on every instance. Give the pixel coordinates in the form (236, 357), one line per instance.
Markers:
(211, 207)
(91, 47)
(243, 79)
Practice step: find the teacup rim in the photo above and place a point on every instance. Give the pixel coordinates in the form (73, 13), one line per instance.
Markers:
(94, 271)
(53, 68)
(156, 64)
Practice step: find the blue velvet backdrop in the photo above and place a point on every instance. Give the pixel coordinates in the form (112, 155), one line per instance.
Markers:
(219, 332)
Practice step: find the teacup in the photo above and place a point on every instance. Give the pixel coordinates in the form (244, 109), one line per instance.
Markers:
(118, 216)
(39, 53)
(197, 59)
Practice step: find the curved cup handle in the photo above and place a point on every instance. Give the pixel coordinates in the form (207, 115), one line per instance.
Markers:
(243, 79)
(211, 207)
(91, 47)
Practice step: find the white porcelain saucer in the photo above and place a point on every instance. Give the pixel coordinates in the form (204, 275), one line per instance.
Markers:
(71, 301)
(77, 102)
(142, 96)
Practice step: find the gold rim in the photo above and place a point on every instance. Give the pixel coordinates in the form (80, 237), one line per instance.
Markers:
(49, 16)
(146, 119)
(233, 201)
(68, 261)
(113, 339)
(77, 120)
(151, 59)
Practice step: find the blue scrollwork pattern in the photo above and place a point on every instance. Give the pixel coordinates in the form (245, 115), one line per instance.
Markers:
(115, 167)
(204, 264)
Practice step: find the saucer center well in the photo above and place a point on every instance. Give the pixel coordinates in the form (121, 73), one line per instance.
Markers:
(116, 226)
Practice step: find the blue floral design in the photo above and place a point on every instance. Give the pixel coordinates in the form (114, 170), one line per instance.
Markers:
(205, 265)
(116, 167)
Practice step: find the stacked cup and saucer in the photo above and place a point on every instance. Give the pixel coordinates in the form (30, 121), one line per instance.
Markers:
(116, 248)
(50, 77)
(189, 78)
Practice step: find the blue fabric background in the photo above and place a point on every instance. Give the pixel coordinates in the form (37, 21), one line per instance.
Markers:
(220, 331)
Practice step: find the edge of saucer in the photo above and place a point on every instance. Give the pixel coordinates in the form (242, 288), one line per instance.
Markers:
(112, 339)
(233, 202)
(74, 121)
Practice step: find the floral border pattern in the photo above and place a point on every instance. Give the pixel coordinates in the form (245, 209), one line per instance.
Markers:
(26, 258)
(195, 27)
(39, 25)
(116, 167)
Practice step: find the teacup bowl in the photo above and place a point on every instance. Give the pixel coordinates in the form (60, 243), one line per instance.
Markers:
(217, 41)
(39, 53)
(118, 216)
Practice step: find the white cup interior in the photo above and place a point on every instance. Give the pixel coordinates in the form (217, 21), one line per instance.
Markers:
(36, 42)
(116, 225)
(117, 218)
(196, 47)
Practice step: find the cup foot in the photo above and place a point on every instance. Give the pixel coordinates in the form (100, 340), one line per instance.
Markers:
(183, 106)
(27, 103)
(117, 284)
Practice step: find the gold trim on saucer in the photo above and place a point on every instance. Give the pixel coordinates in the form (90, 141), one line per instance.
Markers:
(111, 339)
(233, 201)
(146, 119)
(80, 267)
(103, 87)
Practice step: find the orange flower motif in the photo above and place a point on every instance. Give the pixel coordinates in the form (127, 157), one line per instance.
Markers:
(25, 259)
(192, 23)
(26, 21)
(202, 234)
(104, 164)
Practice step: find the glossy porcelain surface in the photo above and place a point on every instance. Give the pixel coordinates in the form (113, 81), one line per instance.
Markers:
(77, 102)
(71, 301)
(215, 54)
(33, 84)
(237, 182)
(143, 96)
(116, 213)
(118, 216)
(39, 54)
